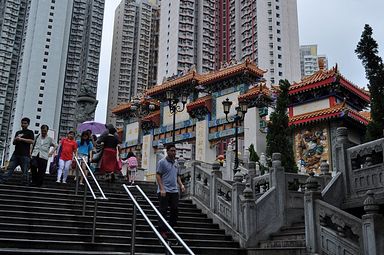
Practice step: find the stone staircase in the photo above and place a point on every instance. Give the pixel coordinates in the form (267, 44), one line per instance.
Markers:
(290, 240)
(49, 220)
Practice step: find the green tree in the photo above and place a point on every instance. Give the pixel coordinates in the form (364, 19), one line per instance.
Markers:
(367, 52)
(253, 154)
(278, 136)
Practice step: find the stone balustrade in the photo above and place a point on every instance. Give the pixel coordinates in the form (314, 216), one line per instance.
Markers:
(250, 207)
(361, 168)
(330, 230)
(365, 165)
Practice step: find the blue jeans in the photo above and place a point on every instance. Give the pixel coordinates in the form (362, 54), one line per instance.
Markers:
(16, 160)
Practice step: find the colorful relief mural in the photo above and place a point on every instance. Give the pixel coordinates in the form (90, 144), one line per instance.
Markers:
(311, 147)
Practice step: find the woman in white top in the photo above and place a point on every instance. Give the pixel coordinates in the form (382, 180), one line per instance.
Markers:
(40, 154)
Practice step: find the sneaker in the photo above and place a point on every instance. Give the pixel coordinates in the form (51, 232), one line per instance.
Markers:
(81, 183)
(64, 182)
(58, 181)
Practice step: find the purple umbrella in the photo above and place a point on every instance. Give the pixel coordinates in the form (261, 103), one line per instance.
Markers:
(96, 127)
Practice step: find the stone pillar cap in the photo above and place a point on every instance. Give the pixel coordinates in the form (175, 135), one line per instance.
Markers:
(370, 205)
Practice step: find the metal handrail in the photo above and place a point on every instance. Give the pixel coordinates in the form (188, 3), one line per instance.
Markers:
(136, 204)
(86, 187)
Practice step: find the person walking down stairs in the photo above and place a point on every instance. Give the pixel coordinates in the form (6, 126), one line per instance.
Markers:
(109, 160)
(22, 154)
(40, 154)
(169, 182)
(68, 149)
(84, 151)
(131, 163)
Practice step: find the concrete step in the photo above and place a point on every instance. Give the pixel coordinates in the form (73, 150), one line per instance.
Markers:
(48, 220)
(64, 252)
(144, 232)
(277, 251)
(76, 208)
(286, 243)
(103, 247)
(116, 239)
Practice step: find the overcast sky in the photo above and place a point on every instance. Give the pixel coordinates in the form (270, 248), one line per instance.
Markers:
(334, 25)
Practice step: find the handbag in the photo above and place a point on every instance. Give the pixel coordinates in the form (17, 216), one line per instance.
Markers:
(99, 153)
(119, 164)
(33, 162)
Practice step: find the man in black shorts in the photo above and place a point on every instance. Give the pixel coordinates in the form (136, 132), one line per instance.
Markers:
(22, 155)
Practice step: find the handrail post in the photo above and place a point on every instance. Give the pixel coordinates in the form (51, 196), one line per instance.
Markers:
(133, 233)
(85, 198)
(94, 221)
(77, 179)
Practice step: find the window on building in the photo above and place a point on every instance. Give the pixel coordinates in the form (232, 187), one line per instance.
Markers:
(280, 73)
(38, 116)
(40, 102)
(45, 60)
(39, 109)
(41, 88)
(41, 95)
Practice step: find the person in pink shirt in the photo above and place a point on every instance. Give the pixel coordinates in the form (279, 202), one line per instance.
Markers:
(67, 151)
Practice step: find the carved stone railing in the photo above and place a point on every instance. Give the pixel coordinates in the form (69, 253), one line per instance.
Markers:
(201, 184)
(366, 168)
(330, 230)
(338, 230)
(250, 207)
(366, 154)
(223, 203)
(361, 167)
(261, 184)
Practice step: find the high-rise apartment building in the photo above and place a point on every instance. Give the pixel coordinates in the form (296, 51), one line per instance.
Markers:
(134, 53)
(213, 33)
(12, 17)
(309, 60)
(82, 65)
(60, 51)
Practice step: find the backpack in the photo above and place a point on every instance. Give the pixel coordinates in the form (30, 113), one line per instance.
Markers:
(132, 162)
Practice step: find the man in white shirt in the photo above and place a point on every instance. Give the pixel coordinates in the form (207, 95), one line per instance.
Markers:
(40, 154)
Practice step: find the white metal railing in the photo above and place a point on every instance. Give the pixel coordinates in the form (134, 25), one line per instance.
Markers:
(137, 206)
(86, 187)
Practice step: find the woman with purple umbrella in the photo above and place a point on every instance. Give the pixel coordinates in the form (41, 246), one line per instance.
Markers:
(95, 127)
